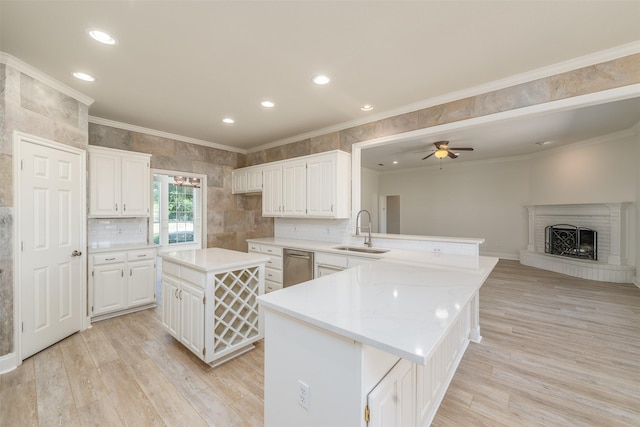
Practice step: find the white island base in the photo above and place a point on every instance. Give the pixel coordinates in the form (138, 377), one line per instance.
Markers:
(210, 302)
(376, 345)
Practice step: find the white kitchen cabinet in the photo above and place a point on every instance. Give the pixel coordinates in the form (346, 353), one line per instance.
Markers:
(119, 183)
(329, 263)
(391, 402)
(311, 186)
(210, 302)
(121, 282)
(109, 288)
(328, 182)
(273, 270)
(247, 180)
(294, 188)
(141, 282)
(272, 190)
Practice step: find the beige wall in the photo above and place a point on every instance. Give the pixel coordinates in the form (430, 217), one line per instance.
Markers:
(488, 198)
(231, 219)
(33, 107)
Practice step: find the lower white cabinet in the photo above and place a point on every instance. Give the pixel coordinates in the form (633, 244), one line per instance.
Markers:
(183, 312)
(391, 403)
(273, 270)
(329, 263)
(121, 282)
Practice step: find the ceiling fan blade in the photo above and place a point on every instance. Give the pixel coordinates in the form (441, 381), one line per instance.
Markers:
(461, 149)
(452, 155)
(429, 155)
(441, 144)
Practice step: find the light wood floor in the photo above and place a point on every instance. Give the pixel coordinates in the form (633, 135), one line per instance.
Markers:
(556, 350)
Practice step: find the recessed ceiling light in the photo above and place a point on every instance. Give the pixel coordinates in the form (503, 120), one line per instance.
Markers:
(228, 120)
(267, 104)
(321, 79)
(83, 76)
(395, 162)
(101, 36)
(543, 142)
(367, 107)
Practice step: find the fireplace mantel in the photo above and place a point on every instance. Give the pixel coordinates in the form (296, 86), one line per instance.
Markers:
(608, 219)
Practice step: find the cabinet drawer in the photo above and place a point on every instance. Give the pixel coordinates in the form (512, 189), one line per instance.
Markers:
(271, 250)
(275, 263)
(273, 275)
(270, 286)
(254, 247)
(170, 268)
(141, 255)
(196, 277)
(109, 258)
(322, 258)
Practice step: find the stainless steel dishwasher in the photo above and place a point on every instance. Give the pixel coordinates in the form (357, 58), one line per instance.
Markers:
(298, 267)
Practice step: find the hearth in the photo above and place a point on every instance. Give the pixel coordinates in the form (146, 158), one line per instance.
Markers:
(571, 241)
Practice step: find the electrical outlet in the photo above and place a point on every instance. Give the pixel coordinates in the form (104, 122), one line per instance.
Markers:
(303, 395)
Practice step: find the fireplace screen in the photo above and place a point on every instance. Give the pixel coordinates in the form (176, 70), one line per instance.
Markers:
(571, 241)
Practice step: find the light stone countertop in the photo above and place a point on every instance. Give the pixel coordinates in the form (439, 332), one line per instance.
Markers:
(214, 259)
(402, 307)
(96, 248)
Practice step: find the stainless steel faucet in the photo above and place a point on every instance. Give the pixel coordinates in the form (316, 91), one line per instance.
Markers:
(367, 238)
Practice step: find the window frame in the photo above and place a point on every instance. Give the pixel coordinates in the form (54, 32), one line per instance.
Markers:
(199, 215)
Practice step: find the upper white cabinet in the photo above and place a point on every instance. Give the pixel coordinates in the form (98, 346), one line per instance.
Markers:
(247, 180)
(328, 185)
(119, 183)
(272, 190)
(316, 186)
(294, 188)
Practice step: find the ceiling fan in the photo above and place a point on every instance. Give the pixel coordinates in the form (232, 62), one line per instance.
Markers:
(442, 150)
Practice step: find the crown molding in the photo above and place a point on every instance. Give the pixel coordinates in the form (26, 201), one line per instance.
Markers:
(27, 69)
(551, 70)
(161, 134)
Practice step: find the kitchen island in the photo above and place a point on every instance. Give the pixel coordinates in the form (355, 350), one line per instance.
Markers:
(209, 301)
(377, 344)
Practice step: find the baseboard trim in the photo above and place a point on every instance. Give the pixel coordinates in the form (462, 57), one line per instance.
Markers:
(9, 362)
(501, 255)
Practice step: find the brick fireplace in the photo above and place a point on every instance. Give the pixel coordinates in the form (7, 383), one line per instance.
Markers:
(608, 221)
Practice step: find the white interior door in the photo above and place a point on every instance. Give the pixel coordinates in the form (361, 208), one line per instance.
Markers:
(51, 238)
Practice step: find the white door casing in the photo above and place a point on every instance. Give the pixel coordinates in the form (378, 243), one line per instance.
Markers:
(50, 242)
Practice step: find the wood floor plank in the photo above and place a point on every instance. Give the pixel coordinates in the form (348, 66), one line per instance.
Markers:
(55, 399)
(83, 375)
(99, 413)
(99, 346)
(19, 405)
(163, 395)
(130, 402)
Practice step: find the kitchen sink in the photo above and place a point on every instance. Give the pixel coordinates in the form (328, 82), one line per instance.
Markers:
(363, 250)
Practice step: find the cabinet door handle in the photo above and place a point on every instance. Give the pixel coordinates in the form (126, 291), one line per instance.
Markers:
(121, 273)
(109, 259)
(331, 208)
(180, 294)
(175, 294)
(141, 256)
(116, 207)
(124, 207)
(131, 272)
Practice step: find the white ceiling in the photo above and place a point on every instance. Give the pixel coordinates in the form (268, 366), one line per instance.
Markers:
(181, 66)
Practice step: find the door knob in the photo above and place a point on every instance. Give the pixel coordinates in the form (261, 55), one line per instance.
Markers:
(76, 253)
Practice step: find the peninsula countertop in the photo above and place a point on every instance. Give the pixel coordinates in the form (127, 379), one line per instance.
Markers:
(401, 307)
(214, 259)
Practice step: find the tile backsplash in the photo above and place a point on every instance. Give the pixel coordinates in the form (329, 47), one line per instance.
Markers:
(114, 231)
